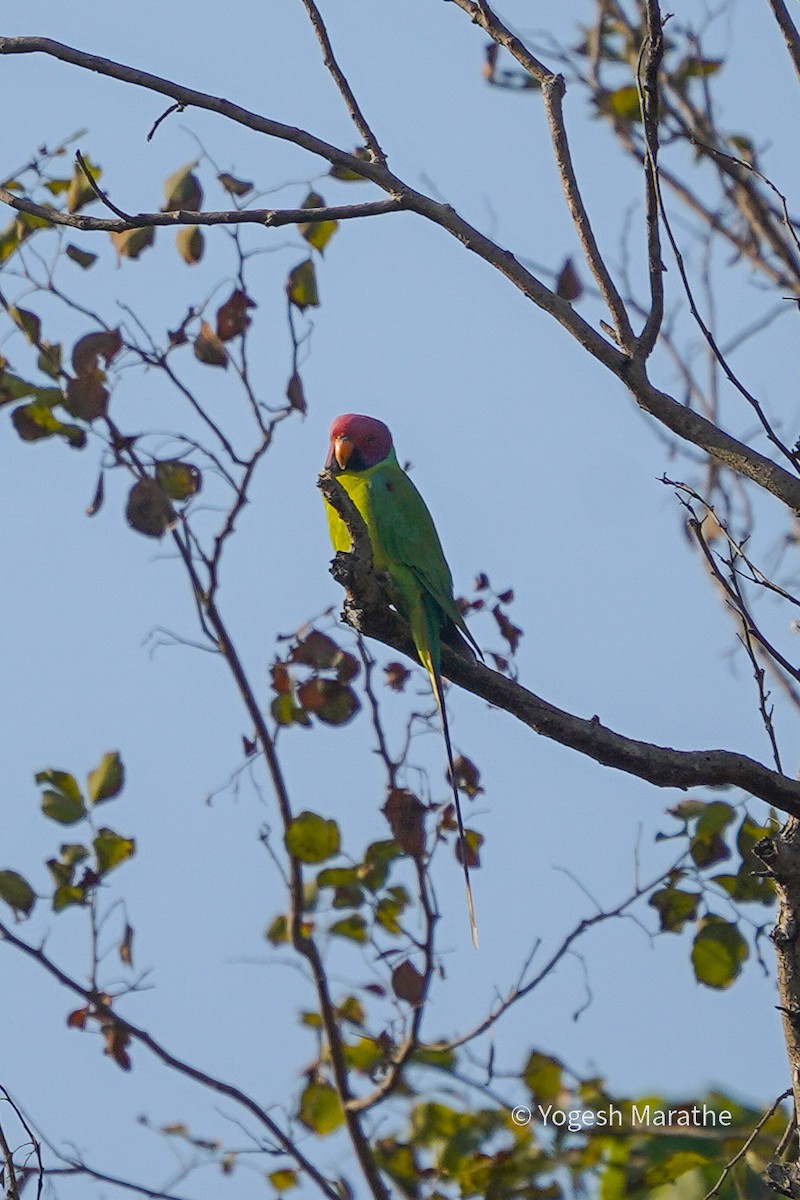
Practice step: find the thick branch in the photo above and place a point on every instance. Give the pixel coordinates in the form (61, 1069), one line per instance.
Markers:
(664, 408)
(367, 611)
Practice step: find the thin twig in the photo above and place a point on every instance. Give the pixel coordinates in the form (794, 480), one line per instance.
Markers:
(740, 1153)
(331, 65)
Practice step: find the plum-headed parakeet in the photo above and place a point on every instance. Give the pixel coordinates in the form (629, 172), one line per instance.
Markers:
(406, 547)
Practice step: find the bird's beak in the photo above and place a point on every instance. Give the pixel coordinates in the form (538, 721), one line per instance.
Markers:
(340, 452)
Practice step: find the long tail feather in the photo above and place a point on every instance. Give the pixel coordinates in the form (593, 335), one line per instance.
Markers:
(436, 681)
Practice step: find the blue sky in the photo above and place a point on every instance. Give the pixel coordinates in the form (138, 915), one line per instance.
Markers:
(538, 470)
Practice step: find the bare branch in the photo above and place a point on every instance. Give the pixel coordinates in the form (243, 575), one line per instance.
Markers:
(789, 31)
(553, 94)
(650, 56)
(170, 1060)
(329, 59)
(270, 218)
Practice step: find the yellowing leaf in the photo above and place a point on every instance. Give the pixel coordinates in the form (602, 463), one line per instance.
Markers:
(191, 244)
(132, 242)
(284, 1180)
(320, 1108)
(111, 849)
(179, 479)
(622, 103)
(312, 839)
(542, 1074)
(301, 286)
(80, 192)
(317, 233)
(107, 779)
(718, 953)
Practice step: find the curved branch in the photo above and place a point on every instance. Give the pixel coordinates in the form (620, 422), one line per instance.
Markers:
(367, 611)
(686, 424)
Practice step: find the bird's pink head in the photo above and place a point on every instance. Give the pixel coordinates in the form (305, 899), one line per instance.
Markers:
(357, 443)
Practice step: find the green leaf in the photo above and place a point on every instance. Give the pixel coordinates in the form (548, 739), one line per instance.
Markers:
(49, 360)
(10, 238)
(365, 1055)
(111, 849)
(543, 1076)
(311, 838)
(390, 908)
(17, 892)
(286, 712)
(378, 858)
(693, 67)
(66, 895)
(179, 479)
(674, 907)
(708, 845)
(622, 103)
(353, 928)
(62, 800)
(718, 953)
(320, 1108)
(107, 779)
(278, 931)
(35, 421)
(672, 1168)
(14, 388)
(301, 286)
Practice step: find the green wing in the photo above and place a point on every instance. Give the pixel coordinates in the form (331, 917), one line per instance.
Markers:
(407, 536)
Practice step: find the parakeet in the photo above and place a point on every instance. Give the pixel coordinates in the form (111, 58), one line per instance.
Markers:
(406, 546)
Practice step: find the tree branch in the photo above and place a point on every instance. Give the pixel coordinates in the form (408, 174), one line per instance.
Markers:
(789, 31)
(271, 218)
(346, 92)
(366, 610)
